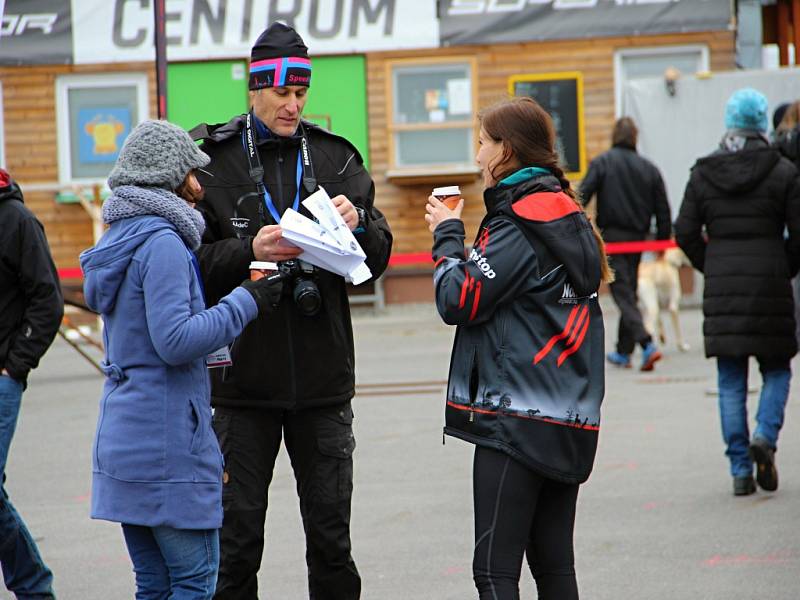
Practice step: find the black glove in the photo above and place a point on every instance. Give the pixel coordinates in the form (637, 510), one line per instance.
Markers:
(266, 292)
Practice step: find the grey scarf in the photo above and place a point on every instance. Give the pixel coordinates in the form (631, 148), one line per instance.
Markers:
(131, 201)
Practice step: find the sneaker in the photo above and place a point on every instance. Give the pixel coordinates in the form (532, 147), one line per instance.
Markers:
(650, 355)
(764, 457)
(744, 486)
(619, 360)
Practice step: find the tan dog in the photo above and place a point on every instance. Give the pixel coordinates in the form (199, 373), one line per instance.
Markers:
(659, 288)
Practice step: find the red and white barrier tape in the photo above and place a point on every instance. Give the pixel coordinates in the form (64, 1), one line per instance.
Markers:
(424, 258)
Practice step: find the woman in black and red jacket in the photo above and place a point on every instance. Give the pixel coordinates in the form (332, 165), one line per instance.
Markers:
(526, 375)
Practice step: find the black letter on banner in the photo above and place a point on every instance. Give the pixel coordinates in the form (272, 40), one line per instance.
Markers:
(116, 34)
(313, 27)
(216, 25)
(372, 15)
(287, 16)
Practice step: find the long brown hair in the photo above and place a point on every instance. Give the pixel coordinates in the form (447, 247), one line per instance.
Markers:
(529, 140)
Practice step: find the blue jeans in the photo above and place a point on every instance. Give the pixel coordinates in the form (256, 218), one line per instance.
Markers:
(732, 383)
(179, 564)
(24, 571)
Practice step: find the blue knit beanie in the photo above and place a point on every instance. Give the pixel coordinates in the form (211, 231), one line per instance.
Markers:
(747, 109)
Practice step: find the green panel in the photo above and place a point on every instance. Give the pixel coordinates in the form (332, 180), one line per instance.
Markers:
(337, 99)
(206, 92)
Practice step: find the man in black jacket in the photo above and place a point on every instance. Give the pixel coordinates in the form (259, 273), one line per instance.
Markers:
(292, 372)
(629, 192)
(31, 308)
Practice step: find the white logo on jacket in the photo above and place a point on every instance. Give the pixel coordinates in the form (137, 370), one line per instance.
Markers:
(568, 296)
(483, 265)
(240, 223)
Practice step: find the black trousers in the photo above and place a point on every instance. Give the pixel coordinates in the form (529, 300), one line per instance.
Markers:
(320, 444)
(623, 291)
(520, 512)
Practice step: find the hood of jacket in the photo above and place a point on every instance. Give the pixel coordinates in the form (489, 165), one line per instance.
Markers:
(105, 265)
(11, 192)
(550, 217)
(739, 172)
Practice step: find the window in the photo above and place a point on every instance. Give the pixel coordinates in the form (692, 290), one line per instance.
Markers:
(636, 63)
(95, 113)
(431, 109)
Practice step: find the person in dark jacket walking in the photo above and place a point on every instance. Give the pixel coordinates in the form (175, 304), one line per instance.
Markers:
(745, 195)
(526, 374)
(292, 375)
(630, 191)
(156, 463)
(31, 308)
(787, 133)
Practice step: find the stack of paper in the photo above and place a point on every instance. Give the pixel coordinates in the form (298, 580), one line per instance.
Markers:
(328, 244)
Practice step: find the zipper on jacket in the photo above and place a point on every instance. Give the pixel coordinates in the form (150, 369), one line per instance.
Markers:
(474, 383)
(279, 192)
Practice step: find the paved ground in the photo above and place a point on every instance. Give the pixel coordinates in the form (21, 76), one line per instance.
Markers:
(656, 520)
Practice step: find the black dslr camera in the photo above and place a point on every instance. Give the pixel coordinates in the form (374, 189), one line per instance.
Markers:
(305, 292)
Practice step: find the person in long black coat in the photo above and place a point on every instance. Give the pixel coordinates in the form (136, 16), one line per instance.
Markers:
(746, 195)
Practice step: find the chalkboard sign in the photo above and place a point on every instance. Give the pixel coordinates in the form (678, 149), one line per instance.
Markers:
(561, 95)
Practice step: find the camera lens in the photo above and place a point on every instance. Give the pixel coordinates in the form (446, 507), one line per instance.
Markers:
(307, 297)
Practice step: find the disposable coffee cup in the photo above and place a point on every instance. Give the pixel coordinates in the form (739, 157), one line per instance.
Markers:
(449, 195)
(262, 268)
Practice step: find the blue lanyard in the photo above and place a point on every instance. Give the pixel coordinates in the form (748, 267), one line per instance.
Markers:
(257, 171)
(296, 204)
(196, 266)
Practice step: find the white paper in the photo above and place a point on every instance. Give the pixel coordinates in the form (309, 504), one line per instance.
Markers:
(329, 244)
(459, 93)
(436, 116)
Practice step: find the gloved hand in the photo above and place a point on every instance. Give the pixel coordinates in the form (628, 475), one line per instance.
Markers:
(266, 292)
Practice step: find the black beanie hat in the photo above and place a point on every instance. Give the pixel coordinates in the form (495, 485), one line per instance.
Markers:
(777, 116)
(278, 58)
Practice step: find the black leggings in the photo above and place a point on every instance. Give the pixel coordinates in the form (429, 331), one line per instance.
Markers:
(516, 512)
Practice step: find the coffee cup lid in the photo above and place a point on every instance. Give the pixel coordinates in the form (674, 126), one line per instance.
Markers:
(259, 265)
(450, 190)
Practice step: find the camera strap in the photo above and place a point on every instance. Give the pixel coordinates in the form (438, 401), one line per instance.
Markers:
(256, 169)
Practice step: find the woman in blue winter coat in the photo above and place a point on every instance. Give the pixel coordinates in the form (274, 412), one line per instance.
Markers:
(157, 467)
(526, 374)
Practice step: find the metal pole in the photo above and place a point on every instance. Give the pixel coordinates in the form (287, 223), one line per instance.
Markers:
(161, 56)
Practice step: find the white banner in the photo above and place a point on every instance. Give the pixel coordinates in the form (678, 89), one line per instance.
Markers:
(122, 30)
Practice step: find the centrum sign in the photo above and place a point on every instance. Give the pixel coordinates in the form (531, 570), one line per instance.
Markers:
(122, 30)
(498, 21)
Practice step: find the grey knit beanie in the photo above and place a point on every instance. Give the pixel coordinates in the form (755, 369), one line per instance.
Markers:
(156, 154)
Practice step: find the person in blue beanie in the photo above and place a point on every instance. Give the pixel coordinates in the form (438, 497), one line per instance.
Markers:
(156, 463)
(745, 195)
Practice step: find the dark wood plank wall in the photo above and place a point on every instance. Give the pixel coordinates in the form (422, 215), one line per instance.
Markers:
(404, 204)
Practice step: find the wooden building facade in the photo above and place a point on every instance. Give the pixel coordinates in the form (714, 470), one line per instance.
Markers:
(30, 99)
(403, 199)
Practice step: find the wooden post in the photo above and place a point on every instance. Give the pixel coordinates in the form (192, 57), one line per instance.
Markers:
(783, 32)
(796, 30)
(160, 37)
